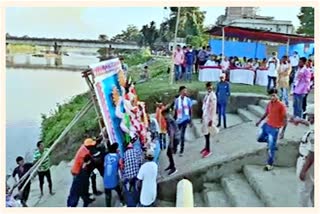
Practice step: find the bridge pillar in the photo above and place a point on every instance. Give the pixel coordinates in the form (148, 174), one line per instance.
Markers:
(58, 61)
(7, 48)
(57, 48)
(28, 59)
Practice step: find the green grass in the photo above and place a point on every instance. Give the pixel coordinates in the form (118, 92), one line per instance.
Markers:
(160, 88)
(53, 125)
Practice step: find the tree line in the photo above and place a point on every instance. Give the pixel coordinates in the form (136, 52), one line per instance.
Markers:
(191, 26)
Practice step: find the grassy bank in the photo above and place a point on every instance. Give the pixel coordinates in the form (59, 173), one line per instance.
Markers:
(157, 88)
(20, 48)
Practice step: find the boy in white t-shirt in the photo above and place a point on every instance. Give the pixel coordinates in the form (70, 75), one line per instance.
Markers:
(273, 66)
(148, 177)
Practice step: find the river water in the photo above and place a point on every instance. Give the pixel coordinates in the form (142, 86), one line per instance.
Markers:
(32, 92)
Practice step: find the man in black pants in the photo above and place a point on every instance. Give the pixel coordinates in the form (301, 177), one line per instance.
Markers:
(97, 153)
(174, 136)
(21, 170)
(44, 168)
(183, 111)
(80, 185)
(208, 118)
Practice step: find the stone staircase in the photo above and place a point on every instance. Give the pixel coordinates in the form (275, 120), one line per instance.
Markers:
(252, 187)
(233, 176)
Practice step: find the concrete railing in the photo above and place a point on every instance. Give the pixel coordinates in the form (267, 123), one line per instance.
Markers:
(184, 194)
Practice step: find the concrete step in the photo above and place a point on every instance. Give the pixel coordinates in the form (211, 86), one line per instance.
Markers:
(256, 110)
(198, 200)
(276, 188)
(264, 103)
(214, 196)
(165, 204)
(239, 191)
(194, 133)
(247, 115)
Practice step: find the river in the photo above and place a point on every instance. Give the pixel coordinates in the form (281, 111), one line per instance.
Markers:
(32, 92)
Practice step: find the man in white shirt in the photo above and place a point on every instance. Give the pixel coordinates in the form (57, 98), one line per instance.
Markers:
(273, 65)
(211, 61)
(294, 61)
(225, 64)
(148, 176)
(305, 162)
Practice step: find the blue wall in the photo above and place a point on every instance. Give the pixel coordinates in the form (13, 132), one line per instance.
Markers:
(254, 49)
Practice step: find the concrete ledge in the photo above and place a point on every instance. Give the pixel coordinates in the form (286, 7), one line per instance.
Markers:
(236, 100)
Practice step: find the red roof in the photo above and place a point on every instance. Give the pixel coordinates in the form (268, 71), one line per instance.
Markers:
(259, 35)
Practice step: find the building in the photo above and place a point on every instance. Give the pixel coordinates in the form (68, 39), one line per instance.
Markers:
(247, 17)
(180, 41)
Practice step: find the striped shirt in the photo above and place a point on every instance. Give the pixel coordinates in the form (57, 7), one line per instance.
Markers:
(45, 166)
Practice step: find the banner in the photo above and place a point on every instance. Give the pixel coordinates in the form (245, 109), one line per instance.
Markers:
(106, 78)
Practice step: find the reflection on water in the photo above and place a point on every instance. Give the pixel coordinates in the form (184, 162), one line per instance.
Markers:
(28, 94)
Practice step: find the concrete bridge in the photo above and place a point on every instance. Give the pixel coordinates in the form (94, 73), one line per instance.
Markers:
(57, 43)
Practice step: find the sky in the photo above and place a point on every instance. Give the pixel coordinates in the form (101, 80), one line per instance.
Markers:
(89, 23)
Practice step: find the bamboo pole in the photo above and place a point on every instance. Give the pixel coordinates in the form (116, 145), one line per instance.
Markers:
(93, 97)
(32, 172)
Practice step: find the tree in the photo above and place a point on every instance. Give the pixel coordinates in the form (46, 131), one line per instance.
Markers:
(198, 41)
(306, 17)
(191, 21)
(103, 37)
(130, 34)
(149, 34)
(164, 32)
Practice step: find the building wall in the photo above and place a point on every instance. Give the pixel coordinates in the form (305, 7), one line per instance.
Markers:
(268, 25)
(255, 49)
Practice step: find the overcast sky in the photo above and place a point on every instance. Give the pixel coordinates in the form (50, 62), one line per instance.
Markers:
(88, 23)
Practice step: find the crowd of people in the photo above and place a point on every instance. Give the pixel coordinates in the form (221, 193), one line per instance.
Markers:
(133, 175)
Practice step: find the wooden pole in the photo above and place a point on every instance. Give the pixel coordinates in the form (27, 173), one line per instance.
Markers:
(93, 97)
(288, 46)
(174, 46)
(222, 46)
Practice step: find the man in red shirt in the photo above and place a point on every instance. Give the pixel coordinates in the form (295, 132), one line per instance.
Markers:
(276, 114)
(88, 146)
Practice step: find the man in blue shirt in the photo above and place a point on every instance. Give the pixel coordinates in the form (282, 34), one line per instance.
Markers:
(190, 60)
(223, 93)
(111, 174)
(183, 110)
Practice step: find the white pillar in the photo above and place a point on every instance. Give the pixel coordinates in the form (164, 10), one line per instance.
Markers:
(184, 194)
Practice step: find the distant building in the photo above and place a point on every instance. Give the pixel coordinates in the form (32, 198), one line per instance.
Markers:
(180, 41)
(247, 17)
